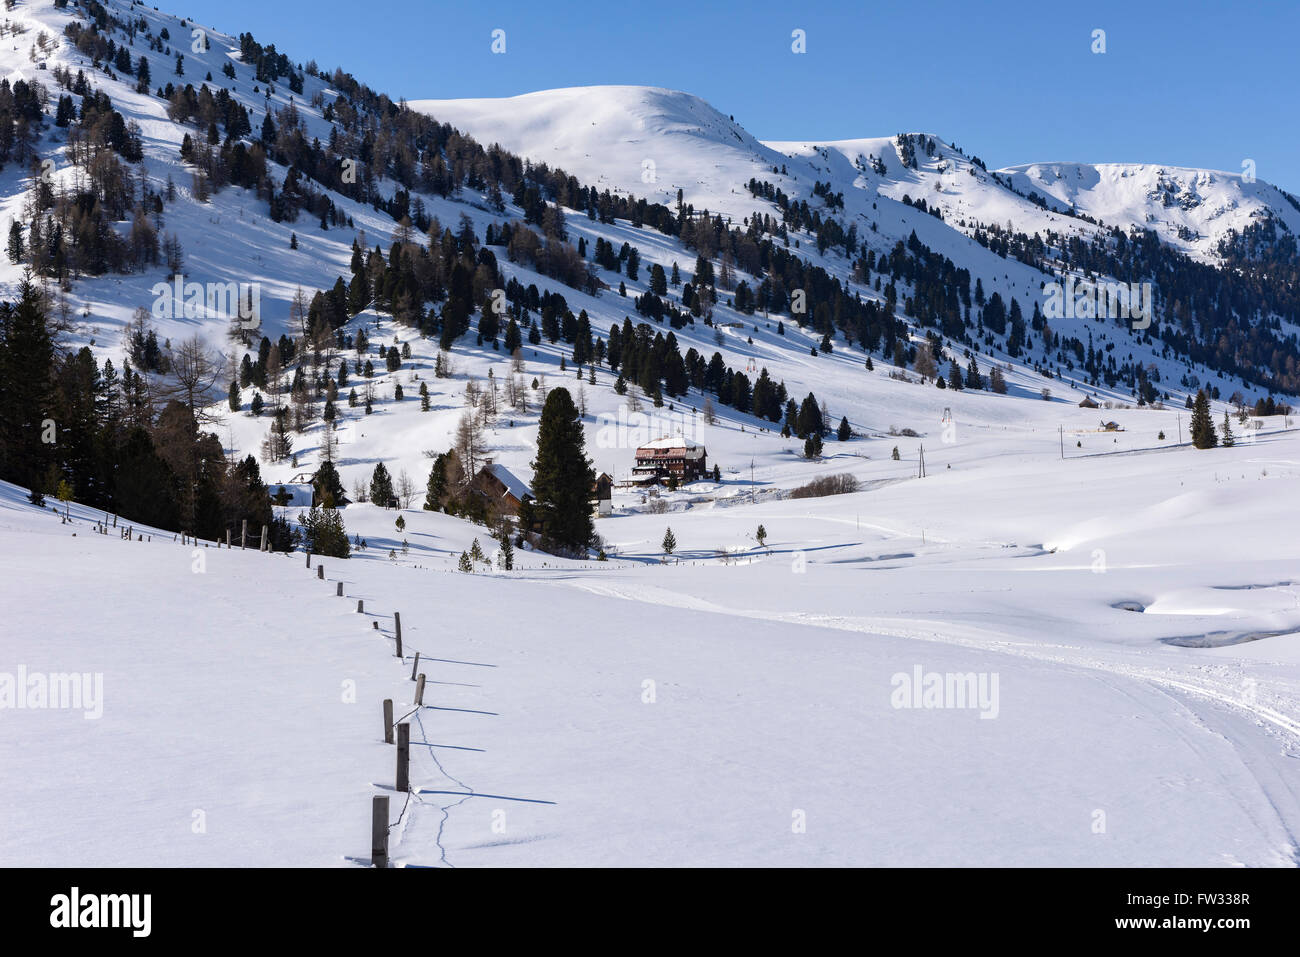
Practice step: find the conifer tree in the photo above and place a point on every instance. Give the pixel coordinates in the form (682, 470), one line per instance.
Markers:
(563, 476)
(381, 486)
(26, 395)
(507, 554)
(1203, 435)
(326, 484)
(323, 532)
(436, 489)
(669, 542)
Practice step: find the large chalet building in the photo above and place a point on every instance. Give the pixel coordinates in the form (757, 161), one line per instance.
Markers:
(676, 457)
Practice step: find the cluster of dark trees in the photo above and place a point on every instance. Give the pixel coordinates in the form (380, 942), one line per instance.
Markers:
(132, 444)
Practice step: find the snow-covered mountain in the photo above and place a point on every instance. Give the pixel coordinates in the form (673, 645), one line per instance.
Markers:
(1191, 209)
(642, 141)
(650, 142)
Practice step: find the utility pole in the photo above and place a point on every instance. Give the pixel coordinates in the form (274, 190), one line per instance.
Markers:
(921, 464)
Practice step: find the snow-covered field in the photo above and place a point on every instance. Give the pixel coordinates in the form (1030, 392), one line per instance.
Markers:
(746, 709)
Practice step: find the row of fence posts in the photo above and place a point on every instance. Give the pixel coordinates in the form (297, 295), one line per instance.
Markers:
(127, 533)
(379, 839)
(379, 819)
(379, 826)
(379, 812)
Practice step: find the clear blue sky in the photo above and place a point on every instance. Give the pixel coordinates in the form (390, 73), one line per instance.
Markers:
(1182, 83)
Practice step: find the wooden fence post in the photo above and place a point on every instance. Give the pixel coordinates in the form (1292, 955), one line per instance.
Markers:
(415, 666)
(419, 691)
(397, 625)
(309, 559)
(227, 538)
(379, 831)
(263, 538)
(320, 572)
(361, 606)
(388, 721)
(339, 591)
(404, 757)
(243, 535)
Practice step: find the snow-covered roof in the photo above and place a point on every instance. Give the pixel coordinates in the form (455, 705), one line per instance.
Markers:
(513, 483)
(673, 442)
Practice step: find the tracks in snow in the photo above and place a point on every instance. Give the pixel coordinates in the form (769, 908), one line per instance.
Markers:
(1214, 697)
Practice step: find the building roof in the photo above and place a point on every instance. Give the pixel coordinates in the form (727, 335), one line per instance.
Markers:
(673, 442)
(514, 485)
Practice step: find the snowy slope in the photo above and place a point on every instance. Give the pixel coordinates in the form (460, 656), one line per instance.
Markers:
(644, 141)
(1192, 209)
(693, 713)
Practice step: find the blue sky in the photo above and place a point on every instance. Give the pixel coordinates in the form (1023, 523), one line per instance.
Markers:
(1186, 83)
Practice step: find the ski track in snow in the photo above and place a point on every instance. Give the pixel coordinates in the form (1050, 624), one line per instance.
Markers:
(1204, 702)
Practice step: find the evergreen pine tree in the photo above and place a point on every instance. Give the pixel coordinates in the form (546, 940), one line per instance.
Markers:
(26, 395)
(326, 484)
(1203, 435)
(323, 532)
(381, 486)
(15, 242)
(670, 542)
(436, 489)
(563, 476)
(507, 555)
